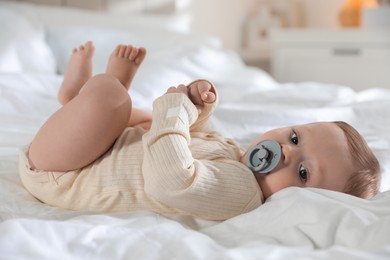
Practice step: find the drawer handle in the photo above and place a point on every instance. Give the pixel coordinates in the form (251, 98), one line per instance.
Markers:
(346, 52)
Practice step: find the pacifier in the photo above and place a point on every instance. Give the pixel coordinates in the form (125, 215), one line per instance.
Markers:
(264, 157)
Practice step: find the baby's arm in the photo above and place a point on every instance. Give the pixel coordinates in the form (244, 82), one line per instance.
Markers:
(213, 188)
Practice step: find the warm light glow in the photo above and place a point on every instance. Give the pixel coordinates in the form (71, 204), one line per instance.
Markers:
(370, 3)
(350, 14)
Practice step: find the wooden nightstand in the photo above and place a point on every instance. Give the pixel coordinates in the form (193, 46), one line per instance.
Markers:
(354, 57)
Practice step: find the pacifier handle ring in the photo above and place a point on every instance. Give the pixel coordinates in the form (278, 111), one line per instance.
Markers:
(261, 165)
(271, 154)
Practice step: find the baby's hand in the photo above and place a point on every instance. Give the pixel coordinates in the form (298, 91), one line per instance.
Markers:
(200, 92)
(179, 89)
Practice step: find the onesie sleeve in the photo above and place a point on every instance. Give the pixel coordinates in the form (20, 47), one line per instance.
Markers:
(216, 189)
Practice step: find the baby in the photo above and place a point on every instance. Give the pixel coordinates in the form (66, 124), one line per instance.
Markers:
(99, 154)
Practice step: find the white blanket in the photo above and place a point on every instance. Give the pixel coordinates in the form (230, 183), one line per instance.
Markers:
(294, 223)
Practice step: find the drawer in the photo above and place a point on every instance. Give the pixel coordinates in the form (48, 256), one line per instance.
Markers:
(357, 67)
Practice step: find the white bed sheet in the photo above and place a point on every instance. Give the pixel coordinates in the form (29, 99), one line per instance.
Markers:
(294, 223)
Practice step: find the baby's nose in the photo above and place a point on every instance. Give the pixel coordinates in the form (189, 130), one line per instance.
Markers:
(287, 151)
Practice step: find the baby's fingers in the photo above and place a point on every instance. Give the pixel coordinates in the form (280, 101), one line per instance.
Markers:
(179, 89)
(208, 97)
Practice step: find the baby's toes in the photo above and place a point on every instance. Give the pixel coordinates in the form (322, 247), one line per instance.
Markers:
(140, 56)
(133, 54)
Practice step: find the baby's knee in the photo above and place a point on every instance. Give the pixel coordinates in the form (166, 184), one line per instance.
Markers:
(107, 91)
(104, 81)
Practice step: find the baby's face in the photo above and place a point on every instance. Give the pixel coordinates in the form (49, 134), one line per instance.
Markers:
(313, 155)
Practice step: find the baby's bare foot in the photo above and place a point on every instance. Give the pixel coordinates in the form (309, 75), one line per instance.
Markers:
(124, 62)
(78, 72)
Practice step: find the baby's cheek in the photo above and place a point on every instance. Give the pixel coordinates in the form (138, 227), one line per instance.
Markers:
(280, 180)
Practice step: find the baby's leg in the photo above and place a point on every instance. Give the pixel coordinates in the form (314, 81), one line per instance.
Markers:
(87, 126)
(135, 56)
(123, 57)
(78, 72)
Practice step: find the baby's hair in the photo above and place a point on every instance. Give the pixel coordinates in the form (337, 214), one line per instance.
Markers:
(364, 182)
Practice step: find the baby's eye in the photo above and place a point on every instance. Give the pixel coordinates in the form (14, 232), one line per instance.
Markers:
(294, 138)
(303, 174)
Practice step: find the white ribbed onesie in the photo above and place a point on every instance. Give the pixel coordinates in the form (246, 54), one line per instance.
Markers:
(177, 167)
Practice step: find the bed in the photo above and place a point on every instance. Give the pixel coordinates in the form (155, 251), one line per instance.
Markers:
(294, 223)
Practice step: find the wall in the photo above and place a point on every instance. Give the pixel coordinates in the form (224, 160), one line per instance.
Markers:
(322, 13)
(225, 18)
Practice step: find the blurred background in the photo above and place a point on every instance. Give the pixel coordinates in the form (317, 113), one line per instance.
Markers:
(331, 41)
(343, 42)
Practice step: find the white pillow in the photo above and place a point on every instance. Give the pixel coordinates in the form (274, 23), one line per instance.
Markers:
(58, 16)
(22, 46)
(163, 46)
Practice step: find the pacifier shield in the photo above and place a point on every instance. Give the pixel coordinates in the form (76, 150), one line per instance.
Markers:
(264, 157)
